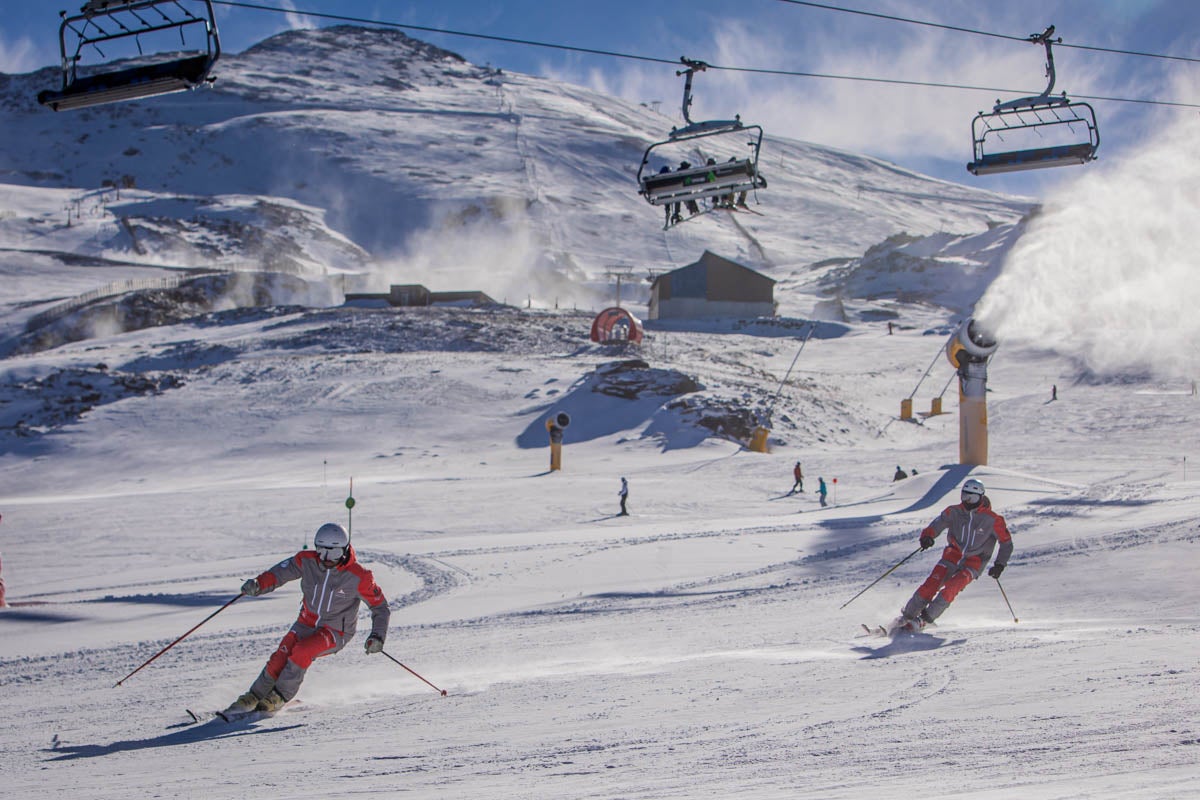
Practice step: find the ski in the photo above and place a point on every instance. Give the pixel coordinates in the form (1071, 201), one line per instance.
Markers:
(229, 715)
(225, 715)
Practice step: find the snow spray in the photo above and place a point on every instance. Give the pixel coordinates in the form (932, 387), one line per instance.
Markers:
(1106, 273)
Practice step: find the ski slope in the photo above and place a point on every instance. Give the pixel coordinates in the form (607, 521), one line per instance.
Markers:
(696, 646)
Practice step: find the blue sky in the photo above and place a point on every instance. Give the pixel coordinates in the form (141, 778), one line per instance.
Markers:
(925, 129)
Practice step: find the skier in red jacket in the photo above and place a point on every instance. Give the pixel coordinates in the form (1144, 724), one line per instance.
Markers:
(972, 529)
(332, 583)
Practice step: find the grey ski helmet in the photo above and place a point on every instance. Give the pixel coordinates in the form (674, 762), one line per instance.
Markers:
(331, 542)
(972, 492)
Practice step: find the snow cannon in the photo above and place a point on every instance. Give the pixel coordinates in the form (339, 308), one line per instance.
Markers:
(969, 350)
(555, 426)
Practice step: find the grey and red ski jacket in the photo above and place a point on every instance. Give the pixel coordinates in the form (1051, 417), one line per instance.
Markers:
(330, 597)
(974, 532)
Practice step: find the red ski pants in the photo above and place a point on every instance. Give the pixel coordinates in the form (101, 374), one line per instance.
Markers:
(302, 650)
(950, 576)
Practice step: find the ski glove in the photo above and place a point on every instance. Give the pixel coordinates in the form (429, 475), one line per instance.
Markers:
(374, 644)
(926, 541)
(251, 588)
(995, 571)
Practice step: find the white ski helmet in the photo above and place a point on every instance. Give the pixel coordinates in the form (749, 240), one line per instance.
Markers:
(331, 542)
(972, 492)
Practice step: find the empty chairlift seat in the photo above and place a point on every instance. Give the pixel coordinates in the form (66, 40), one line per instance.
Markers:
(103, 22)
(1034, 132)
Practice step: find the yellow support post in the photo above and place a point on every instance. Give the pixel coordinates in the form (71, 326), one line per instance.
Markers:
(906, 408)
(758, 440)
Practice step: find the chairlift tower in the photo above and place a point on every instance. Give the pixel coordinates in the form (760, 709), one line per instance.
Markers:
(619, 272)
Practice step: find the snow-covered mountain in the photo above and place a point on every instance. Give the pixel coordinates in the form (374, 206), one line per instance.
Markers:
(364, 151)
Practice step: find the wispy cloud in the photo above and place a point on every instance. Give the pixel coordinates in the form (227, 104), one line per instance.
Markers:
(898, 122)
(296, 22)
(21, 55)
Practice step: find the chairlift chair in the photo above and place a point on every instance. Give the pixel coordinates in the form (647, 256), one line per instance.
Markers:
(103, 21)
(707, 180)
(1074, 123)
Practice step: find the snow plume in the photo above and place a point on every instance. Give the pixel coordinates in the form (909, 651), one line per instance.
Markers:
(20, 55)
(296, 21)
(1107, 273)
(492, 248)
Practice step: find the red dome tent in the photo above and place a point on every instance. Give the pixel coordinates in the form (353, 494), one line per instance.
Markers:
(613, 325)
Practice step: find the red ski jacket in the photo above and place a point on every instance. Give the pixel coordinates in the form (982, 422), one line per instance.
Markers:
(331, 597)
(974, 531)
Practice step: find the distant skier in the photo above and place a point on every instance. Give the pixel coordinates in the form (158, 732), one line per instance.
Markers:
(798, 475)
(972, 529)
(623, 493)
(331, 584)
(821, 490)
(1054, 392)
(900, 475)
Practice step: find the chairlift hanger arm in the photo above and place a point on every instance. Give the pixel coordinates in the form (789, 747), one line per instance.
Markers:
(693, 66)
(1045, 38)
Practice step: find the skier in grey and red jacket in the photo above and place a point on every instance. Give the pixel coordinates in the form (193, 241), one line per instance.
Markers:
(972, 530)
(332, 583)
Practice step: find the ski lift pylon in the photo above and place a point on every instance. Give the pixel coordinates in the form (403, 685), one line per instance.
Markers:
(692, 183)
(103, 21)
(1041, 114)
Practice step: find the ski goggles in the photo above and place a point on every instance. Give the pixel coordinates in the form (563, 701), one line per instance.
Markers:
(331, 553)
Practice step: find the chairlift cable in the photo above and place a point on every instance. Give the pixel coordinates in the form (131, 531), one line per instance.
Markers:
(445, 31)
(976, 32)
(674, 62)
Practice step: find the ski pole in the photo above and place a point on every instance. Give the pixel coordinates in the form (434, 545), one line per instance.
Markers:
(389, 655)
(881, 577)
(1004, 594)
(180, 639)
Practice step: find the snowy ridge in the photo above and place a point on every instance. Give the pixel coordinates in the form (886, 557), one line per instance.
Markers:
(318, 145)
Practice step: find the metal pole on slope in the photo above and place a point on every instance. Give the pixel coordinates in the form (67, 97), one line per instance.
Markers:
(1004, 594)
(881, 577)
(180, 639)
(811, 327)
(389, 655)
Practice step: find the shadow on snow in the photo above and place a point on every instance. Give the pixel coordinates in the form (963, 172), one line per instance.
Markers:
(188, 734)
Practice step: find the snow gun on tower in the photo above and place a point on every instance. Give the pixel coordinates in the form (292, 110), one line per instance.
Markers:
(969, 350)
